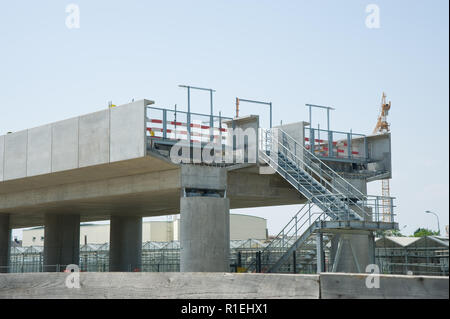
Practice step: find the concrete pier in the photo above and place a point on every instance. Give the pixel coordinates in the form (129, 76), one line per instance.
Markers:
(205, 220)
(205, 234)
(351, 253)
(125, 245)
(61, 241)
(5, 242)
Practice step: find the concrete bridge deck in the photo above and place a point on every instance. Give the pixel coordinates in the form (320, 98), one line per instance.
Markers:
(97, 165)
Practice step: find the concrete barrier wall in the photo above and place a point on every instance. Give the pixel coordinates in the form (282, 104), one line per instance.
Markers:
(220, 285)
(160, 285)
(98, 138)
(353, 286)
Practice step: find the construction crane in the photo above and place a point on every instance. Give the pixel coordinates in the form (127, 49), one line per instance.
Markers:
(383, 127)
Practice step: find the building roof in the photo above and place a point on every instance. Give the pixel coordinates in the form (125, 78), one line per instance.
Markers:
(391, 241)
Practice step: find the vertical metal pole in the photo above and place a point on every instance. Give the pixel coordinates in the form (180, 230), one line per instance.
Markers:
(189, 115)
(319, 253)
(164, 124)
(366, 148)
(328, 119)
(175, 122)
(239, 261)
(311, 131)
(258, 261)
(349, 145)
(211, 121)
(372, 259)
(330, 143)
(270, 114)
(294, 262)
(220, 133)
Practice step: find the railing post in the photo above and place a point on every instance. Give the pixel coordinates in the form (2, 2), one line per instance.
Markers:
(164, 124)
(319, 253)
(366, 148)
(294, 262)
(349, 145)
(189, 116)
(330, 143)
(220, 130)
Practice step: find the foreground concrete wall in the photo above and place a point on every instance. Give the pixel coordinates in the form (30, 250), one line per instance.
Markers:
(353, 286)
(161, 285)
(110, 135)
(220, 285)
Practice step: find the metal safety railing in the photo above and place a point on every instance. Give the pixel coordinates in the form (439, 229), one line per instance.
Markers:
(336, 144)
(175, 125)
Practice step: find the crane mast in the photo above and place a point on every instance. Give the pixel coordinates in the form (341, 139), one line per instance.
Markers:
(383, 127)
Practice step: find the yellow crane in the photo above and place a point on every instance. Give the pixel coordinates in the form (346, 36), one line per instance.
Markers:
(383, 127)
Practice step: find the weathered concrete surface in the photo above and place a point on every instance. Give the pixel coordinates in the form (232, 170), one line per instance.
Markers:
(203, 177)
(5, 241)
(220, 285)
(111, 135)
(62, 240)
(146, 187)
(125, 243)
(353, 286)
(205, 234)
(161, 285)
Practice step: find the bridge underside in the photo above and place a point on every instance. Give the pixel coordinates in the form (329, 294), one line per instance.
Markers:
(145, 187)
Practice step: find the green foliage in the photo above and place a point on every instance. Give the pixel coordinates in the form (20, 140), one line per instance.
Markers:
(421, 232)
(389, 233)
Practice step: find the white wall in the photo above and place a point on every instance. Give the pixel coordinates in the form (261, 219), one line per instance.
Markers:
(242, 227)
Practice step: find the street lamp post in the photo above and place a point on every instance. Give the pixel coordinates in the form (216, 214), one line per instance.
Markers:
(437, 217)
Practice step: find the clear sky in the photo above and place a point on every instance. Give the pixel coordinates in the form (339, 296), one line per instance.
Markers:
(287, 52)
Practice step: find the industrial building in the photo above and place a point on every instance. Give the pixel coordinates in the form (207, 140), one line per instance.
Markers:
(140, 160)
(242, 227)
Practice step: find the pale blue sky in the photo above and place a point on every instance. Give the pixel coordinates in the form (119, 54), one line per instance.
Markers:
(288, 52)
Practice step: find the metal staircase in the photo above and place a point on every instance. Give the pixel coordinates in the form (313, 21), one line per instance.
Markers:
(336, 198)
(312, 177)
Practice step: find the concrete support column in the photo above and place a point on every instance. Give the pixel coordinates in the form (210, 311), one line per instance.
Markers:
(125, 244)
(320, 253)
(61, 241)
(205, 220)
(205, 234)
(5, 242)
(351, 253)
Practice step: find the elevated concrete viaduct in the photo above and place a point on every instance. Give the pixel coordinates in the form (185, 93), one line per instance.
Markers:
(97, 167)
(114, 165)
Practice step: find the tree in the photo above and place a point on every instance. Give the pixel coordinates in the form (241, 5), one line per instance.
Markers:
(389, 233)
(421, 232)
